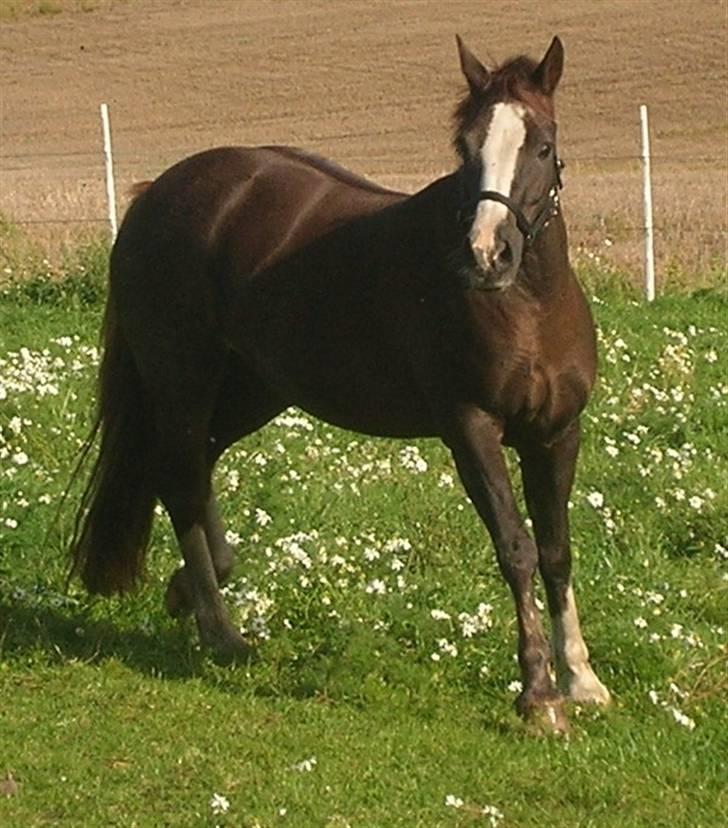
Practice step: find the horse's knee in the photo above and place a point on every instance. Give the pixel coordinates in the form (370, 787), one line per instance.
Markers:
(518, 559)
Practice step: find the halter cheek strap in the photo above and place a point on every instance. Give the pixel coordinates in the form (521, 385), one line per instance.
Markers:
(531, 229)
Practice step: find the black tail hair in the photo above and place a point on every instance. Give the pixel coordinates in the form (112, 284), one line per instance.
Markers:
(114, 518)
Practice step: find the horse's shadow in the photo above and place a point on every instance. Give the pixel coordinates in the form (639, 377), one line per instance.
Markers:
(62, 635)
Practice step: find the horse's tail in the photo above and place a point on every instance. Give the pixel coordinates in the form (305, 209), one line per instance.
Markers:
(138, 188)
(114, 518)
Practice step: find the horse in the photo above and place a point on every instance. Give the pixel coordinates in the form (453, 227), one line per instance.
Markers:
(246, 280)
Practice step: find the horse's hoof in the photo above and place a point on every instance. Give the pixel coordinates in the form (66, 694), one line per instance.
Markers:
(544, 714)
(587, 689)
(228, 646)
(177, 599)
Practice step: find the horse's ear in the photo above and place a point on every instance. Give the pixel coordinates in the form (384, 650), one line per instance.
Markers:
(477, 76)
(548, 72)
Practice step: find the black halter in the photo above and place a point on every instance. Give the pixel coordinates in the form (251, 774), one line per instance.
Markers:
(531, 229)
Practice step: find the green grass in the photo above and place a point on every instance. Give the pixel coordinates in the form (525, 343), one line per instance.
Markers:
(111, 715)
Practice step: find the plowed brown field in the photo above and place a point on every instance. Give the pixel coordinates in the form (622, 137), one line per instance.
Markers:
(370, 84)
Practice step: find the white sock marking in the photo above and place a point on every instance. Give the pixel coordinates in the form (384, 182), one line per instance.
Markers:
(572, 657)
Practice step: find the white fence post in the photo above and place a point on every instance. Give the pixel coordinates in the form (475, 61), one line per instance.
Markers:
(109, 164)
(647, 201)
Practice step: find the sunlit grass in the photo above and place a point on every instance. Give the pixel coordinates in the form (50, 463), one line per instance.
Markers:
(383, 688)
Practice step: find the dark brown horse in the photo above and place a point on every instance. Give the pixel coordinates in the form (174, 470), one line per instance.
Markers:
(247, 280)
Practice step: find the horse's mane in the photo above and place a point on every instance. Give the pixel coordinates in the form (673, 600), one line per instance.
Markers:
(332, 169)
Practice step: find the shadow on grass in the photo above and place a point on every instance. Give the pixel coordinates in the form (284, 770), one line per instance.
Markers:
(341, 670)
(59, 635)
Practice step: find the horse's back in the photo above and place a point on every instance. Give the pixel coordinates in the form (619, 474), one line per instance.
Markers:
(260, 203)
(192, 236)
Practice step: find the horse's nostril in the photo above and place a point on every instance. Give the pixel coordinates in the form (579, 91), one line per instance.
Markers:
(503, 257)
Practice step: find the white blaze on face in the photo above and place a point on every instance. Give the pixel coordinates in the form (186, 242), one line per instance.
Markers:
(499, 154)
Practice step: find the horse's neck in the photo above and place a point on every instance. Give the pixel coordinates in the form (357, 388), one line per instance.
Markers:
(546, 270)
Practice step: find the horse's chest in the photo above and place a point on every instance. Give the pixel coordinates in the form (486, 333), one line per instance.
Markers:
(528, 387)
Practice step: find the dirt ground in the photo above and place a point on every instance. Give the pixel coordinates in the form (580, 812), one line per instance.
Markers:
(372, 85)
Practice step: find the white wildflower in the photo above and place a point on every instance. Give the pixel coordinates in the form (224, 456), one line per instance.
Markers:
(305, 765)
(411, 459)
(447, 648)
(376, 587)
(219, 804)
(493, 813)
(262, 518)
(370, 554)
(595, 499)
(682, 719)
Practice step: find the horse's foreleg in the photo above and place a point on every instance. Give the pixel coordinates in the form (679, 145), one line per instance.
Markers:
(475, 442)
(548, 474)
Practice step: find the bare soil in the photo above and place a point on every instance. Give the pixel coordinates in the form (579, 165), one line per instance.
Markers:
(372, 85)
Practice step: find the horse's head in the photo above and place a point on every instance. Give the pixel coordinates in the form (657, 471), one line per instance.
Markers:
(505, 134)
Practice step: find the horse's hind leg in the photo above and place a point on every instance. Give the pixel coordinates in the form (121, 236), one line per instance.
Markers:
(184, 488)
(223, 557)
(548, 474)
(244, 404)
(179, 597)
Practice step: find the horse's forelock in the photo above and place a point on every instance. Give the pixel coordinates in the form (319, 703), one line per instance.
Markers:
(511, 81)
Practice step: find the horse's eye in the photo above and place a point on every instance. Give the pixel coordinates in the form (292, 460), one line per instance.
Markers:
(545, 151)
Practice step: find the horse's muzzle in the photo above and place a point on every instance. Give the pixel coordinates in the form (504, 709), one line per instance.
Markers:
(496, 260)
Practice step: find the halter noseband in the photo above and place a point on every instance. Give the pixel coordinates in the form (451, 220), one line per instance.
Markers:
(531, 229)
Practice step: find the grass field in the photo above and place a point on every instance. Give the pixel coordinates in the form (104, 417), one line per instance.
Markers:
(383, 691)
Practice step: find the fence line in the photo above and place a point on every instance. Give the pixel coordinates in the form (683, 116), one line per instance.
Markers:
(84, 160)
(647, 206)
(698, 159)
(630, 228)
(109, 169)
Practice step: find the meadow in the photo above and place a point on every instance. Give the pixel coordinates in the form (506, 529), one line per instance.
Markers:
(382, 692)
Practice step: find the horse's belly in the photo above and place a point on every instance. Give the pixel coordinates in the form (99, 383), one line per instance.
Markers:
(349, 393)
